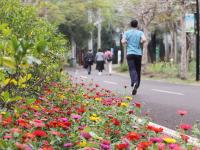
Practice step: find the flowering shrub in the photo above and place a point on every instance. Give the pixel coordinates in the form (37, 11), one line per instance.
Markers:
(70, 115)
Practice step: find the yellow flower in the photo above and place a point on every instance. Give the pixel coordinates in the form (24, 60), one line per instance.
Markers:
(61, 96)
(124, 104)
(3, 113)
(169, 140)
(83, 144)
(128, 98)
(94, 115)
(98, 99)
(95, 118)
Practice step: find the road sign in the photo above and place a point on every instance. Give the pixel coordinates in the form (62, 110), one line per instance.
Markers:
(190, 23)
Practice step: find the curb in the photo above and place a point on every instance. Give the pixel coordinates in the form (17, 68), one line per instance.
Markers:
(176, 135)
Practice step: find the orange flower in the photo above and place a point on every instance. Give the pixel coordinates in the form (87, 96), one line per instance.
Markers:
(23, 123)
(7, 121)
(133, 136)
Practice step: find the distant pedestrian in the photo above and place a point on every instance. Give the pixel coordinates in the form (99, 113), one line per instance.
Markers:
(100, 60)
(109, 58)
(88, 61)
(134, 40)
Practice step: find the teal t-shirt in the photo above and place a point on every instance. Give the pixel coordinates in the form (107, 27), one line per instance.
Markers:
(133, 38)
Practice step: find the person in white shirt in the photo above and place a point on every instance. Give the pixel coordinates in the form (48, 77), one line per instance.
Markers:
(108, 58)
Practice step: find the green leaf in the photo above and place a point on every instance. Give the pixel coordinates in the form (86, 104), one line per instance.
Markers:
(9, 62)
(5, 95)
(30, 101)
(42, 46)
(15, 44)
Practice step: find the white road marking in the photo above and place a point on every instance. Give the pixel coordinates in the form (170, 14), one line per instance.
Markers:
(84, 77)
(169, 92)
(114, 83)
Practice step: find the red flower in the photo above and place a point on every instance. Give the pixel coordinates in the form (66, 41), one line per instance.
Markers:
(81, 110)
(182, 112)
(121, 146)
(39, 133)
(138, 105)
(116, 122)
(184, 137)
(185, 127)
(155, 129)
(144, 145)
(133, 136)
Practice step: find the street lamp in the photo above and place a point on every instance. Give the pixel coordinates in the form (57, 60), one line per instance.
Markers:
(197, 40)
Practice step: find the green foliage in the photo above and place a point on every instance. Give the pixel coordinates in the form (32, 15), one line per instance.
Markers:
(123, 67)
(164, 68)
(31, 51)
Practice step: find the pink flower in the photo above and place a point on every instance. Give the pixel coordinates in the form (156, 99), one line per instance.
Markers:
(68, 145)
(64, 119)
(105, 145)
(174, 147)
(22, 146)
(185, 127)
(76, 116)
(156, 140)
(161, 146)
(182, 112)
(86, 135)
(38, 123)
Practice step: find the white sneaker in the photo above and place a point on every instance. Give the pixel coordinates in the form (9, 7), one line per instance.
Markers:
(100, 73)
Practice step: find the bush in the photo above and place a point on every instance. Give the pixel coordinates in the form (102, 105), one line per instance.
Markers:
(31, 52)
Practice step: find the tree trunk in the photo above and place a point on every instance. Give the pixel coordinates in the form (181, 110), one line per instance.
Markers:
(90, 41)
(99, 28)
(73, 55)
(175, 47)
(145, 47)
(183, 65)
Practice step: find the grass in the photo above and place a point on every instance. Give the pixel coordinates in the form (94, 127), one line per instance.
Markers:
(163, 71)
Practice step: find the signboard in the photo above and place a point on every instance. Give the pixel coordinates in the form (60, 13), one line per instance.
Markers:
(190, 23)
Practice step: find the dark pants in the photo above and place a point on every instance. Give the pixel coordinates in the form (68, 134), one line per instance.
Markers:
(134, 64)
(89, 68)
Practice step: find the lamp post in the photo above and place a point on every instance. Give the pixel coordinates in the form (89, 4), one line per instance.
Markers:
(197, 40)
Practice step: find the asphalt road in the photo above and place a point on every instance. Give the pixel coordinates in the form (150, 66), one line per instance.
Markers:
(160, 100)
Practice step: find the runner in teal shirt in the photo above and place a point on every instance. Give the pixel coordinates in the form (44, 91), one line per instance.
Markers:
(133, 39)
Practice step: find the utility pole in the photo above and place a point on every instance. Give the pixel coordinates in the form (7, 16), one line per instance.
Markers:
(197, 40)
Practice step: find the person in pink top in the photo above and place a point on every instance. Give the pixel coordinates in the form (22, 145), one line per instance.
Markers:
(108, 57)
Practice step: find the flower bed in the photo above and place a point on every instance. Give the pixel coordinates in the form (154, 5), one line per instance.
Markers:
(84, 116)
